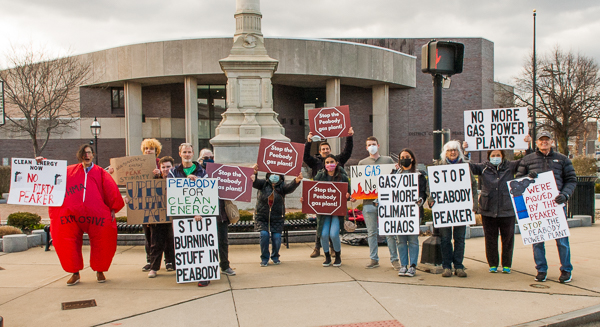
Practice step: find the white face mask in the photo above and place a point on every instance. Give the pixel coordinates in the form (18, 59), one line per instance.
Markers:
(373, 149)
(496, 160)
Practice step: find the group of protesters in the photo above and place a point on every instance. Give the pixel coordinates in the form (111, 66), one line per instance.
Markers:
(93, 192)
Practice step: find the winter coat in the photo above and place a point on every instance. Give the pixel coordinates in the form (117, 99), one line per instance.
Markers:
(323, 176)
(274, 216)
(423, 187)
(559, 164)
(317, 162)
(494, 200)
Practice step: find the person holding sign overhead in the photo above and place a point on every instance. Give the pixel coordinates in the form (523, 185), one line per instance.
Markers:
(269, 215)
(543, 160)
(453, 255)
(370, 211)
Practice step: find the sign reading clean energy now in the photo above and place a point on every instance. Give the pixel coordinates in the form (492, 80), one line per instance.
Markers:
(496, 129)
(186, 197)
(397, 210)
(450, 188)
(37, 184)
(196, 249)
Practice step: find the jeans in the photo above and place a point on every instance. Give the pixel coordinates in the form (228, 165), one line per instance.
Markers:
(408, 245)
(564, 253)
(264, 245)
(370, 215)
(331, 230)
(453, 256)
(506, 226)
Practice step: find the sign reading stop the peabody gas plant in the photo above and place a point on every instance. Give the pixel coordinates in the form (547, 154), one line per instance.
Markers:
(280, 157)
(329, 122)
(324, 198)
(235, 182)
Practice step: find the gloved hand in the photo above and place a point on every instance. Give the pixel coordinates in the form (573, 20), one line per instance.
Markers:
(431, 204)
(532, 174)
(420, 202)
(560, 199)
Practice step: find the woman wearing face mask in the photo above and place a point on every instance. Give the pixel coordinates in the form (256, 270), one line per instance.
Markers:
(408, 245)
(328, 227)
(269, 215)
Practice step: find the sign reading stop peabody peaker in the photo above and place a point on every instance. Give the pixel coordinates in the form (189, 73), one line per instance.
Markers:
(324, 198)
(235, 182)
(280, 157)
(329, 122)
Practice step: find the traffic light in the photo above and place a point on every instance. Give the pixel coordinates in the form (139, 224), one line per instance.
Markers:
(442, 57)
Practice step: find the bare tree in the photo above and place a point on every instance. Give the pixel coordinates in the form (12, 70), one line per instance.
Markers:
(568, 93)
(44, 93)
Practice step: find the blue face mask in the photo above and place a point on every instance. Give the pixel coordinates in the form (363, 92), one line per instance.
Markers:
(495, 160)
(204, 161)
(274, 179)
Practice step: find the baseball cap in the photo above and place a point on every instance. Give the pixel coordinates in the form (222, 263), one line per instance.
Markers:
(544, 133)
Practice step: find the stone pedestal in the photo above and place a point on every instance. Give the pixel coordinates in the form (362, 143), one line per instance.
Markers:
(14, 243)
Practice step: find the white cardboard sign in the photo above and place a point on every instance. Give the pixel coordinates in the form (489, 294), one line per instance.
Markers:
(186, 197)
(363, 179)
(496, 129)
(397, 210)
(196, 249)
(37, 184)
(450, 188)
(540, 218)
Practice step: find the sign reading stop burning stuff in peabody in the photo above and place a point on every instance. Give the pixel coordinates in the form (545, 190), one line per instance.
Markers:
(324, 198)
(280, 157)
(235, 182)
(329, 122)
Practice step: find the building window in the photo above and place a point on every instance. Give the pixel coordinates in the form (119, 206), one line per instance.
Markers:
(211, 104)
(117, 100)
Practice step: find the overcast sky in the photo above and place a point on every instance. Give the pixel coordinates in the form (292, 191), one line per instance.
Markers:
(90, 25)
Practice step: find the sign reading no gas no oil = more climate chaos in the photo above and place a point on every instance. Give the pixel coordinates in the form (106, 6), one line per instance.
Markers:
(37, 184)
(450, 188)
(363, 179)
(397, 209)
(280, 157)
(540, 218)
(186, 197)
(329, 122)
(496, 129)
(324, 198)
(196, 249)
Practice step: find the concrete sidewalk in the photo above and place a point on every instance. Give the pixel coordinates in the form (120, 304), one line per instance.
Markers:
(300, 292)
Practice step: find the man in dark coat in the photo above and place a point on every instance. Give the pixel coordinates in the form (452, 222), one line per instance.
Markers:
(543, 160)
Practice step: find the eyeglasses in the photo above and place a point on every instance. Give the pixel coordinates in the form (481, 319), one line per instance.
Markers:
(452, 150)
(206, 158)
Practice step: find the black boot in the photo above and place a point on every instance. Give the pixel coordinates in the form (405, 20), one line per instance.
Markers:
(327, 261)
(338, 258)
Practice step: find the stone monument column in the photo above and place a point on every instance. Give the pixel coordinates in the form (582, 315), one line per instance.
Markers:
(249, 116)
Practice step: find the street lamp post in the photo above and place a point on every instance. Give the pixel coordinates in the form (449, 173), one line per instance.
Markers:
(95, 129)
(534, 114)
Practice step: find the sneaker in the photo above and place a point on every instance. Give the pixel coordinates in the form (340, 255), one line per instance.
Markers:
(506, 270)
(402, 271)
(412, 270)
(276, 261)
(541, 277)
(460, 272)
(396, 265)
(264, 263)
(447, 272)
(152, 274)
(373, 264)
(146, 267)
(494, 269)
(73, 280)
(170, 267)
(203, 283)
(100, 277)
(316, 253)
(565, 277)
(228, 272)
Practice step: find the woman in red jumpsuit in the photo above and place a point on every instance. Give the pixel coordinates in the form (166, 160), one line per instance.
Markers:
(91, 200)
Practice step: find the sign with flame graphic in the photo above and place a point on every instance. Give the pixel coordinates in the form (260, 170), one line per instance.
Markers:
(363, 180)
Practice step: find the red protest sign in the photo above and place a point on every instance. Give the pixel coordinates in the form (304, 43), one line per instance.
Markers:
(280, 157)
(324, 198)
(235, 182)
(329, 122)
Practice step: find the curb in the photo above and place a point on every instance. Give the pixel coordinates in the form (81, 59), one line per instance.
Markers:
(573, 318)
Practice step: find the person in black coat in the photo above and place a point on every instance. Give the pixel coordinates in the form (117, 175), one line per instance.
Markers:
(269, 215)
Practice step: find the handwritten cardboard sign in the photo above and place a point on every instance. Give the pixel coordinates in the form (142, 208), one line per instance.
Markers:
(324, 198)
(280, 157)
(37, 184)
(186, 197)
(147, 202)
(540, 218)
(235, 182)
(363, 180)
(329, 122)
(450, 188)
(397, 210)
(496, 129)
(196, 249)
(135, 168)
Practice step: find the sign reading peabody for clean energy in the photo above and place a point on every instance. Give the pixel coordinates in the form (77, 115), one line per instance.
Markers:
(186, 197)
(37, 184)
(496, 129)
